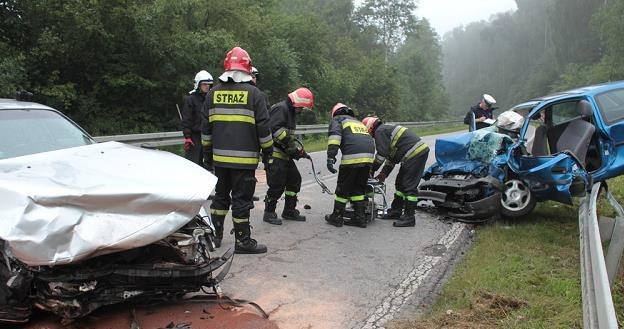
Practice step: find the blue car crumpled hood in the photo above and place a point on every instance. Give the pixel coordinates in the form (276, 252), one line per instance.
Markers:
(481, 153)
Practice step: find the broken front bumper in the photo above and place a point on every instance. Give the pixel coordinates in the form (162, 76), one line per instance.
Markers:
(471, 198)
(75, 291)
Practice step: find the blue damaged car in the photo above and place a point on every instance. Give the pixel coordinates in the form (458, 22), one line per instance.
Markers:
(564, 142)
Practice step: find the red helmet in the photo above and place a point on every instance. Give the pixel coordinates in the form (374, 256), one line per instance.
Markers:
(237, 59)
(337, 107)
(369, 122)
(302, 97)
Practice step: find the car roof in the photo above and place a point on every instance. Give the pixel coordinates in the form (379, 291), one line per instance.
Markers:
(587, 90)
(12, 104)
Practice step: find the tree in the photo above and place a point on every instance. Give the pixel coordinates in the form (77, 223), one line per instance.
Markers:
(390, 21)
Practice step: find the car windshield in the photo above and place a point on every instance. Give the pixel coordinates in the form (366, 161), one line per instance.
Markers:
(611, 105)
(24, 132)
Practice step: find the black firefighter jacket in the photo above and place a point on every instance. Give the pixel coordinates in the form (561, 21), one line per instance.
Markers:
(191, 113)
(283, 124)
(395, 144)
(352, 138)
(236, 125)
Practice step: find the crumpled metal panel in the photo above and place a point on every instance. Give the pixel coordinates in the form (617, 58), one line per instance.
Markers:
(68, 205)
(471, 153)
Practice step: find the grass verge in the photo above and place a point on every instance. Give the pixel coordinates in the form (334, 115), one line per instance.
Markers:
(519, 274)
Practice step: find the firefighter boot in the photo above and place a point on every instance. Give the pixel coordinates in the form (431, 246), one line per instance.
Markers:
(269, 212)
(335, 218)
(408, 219)
(244, 243)
(396, 208)
(290, 213)
(359, 216)
(217, 221)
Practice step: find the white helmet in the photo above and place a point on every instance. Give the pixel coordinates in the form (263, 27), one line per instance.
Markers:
(202, 76)
(510, 121)
(489, 100)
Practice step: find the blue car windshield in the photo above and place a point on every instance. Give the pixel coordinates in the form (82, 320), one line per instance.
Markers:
(611, 105)
(24, 132)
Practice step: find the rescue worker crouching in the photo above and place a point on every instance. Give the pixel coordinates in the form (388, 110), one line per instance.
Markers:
(396, 144)
(282, 174)
(191, 117)
(234, 129)
(351, 137)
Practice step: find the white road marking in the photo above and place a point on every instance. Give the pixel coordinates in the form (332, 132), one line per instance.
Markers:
(393, 303)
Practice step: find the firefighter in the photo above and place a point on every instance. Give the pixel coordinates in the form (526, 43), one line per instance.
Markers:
(255, 79)
(255, 76)
(396, 144)
(282, 175)
(234, 130)
(350, 136)
(191, 117)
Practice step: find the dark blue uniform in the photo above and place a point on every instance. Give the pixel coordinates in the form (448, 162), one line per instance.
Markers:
(479, 112)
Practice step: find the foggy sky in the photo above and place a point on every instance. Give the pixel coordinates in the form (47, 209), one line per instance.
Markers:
(444, 15)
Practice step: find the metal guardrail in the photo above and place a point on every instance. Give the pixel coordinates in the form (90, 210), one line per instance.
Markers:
(597, 271)
(176, 137)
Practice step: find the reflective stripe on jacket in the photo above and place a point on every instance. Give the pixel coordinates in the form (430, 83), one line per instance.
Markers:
(283, 124)
(352, 138)
(395, 144)
(236, 125)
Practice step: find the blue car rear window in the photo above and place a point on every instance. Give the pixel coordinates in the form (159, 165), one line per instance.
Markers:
(611, 105)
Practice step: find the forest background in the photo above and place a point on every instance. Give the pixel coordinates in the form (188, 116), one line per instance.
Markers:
(121, 66)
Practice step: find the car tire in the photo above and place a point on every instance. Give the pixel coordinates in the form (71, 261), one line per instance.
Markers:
(517, 199)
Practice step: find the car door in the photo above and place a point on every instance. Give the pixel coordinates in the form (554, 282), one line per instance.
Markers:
(610, 122)
(549, 176)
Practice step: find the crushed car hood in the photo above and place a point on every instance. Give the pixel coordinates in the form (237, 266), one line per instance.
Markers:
(474, 152)
(68, 205)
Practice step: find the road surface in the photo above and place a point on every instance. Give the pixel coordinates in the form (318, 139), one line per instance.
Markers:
(314, 276)
(319, 276)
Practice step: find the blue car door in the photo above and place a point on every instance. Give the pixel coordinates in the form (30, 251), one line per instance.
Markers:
(549, 176)
(610, 123)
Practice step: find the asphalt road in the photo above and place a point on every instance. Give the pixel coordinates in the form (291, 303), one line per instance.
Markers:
(318, 276)
(314, 276)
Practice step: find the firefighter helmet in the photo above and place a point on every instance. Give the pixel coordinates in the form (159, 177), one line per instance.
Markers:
(302, 97)
(203, 76)
(369, 122)
(237, 59)
(340, 106)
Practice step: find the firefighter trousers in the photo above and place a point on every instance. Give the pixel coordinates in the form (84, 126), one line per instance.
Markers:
(407, 180)
(283, 177)
(235, 187)
(196, 153)
(352, 182)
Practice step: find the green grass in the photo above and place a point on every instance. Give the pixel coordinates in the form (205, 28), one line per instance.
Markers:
(533, 262)
(439, 129)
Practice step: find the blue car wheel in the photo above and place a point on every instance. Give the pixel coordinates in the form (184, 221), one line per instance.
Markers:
(517, 199)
